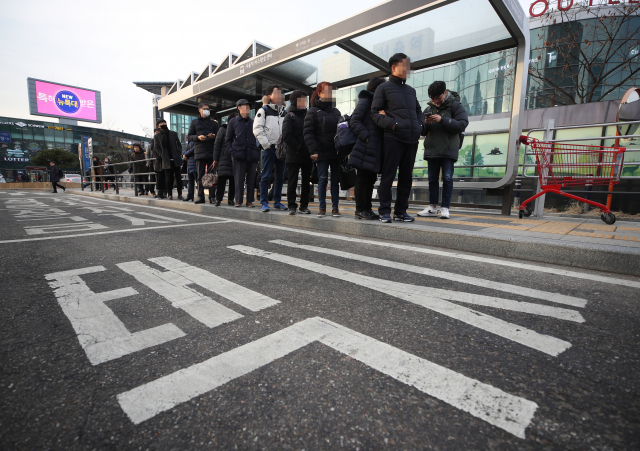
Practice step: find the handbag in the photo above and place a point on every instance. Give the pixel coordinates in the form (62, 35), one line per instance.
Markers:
(345, 137)
(347, 176)
(281, 149)
(210, 179)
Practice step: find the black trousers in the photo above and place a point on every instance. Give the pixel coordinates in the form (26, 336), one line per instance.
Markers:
(55, 186)
(171, 175)
(397, 157)
(222, 182)
(201, 165)
(140, 179)
(151, 187)
(363, 191)
(292, 183)
(160, 184)
(245, 170)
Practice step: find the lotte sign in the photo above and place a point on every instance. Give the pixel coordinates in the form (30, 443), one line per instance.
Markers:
(545, 3)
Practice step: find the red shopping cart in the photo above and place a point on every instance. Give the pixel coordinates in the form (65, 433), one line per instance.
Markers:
(565, 165)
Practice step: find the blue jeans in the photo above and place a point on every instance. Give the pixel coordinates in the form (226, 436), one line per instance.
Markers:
(268, 160)
(192, 185)
(435, 165)
(323, 177)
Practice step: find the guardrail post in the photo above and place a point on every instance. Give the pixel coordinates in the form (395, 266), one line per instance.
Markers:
(538, 208)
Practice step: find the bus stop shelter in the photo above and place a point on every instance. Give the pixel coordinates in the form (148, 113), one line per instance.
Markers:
(357, 48)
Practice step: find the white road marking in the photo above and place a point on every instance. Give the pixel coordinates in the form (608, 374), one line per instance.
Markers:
(173, 287)
(58, 228)
(245, 297)
(142, 221)
(420, 296)
(100, 332)
(22, 240)
(508, 412)
(476, 281)
(108, 209)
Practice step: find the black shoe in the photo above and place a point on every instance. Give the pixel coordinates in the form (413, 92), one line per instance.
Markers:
(180, 197)
(304, 211)
(217, 203)
(187, 200)
(211, 201)
(199, 201)
(292, 211)
(372, 214)
(231, 204)
(366, 215)
(64, 189)
(170, 197)
(55, 192)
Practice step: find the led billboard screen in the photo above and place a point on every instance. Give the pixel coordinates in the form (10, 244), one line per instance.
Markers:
(64, 101)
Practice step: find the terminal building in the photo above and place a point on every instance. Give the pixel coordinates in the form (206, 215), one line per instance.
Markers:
(487, 81)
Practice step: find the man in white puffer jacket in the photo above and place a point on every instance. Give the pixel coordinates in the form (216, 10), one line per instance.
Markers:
(267, 128)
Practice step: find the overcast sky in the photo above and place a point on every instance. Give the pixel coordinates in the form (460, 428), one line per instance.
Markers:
(107, 45)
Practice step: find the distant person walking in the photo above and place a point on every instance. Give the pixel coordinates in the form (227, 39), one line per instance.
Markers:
(244, 151)
(55, 174)
(395, 109)
(202, 132)
(445, 123)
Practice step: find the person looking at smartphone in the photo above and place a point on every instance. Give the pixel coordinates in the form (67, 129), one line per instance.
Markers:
(445, 122)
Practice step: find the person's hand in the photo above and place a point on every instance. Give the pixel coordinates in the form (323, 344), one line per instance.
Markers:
(394, 127)
(382, 112)
(367, 140)
(184, 157)
(435, 118)
(211, 135)
(202, 138)
(314, 157)
(215, 163)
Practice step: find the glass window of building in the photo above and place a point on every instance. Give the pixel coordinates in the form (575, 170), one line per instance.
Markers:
(490, 155)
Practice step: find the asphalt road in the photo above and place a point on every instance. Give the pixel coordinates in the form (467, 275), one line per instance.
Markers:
(133, 327)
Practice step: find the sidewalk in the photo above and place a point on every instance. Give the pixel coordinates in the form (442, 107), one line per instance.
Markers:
(583, 243)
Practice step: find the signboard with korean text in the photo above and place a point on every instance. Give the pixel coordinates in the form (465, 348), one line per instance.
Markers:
(64, 101)
(86, 151)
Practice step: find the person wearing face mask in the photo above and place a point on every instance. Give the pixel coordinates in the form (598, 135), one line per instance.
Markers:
(244, 152)
(298, 158)
(320, 127)
(168, 151)
(202, 132)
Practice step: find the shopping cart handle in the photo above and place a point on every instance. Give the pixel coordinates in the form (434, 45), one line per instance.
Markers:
(525, 139)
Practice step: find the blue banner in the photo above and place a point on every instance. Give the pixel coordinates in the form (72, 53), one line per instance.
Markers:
(86, 152)
(5, 137)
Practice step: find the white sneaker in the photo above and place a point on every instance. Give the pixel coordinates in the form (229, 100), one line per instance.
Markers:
(431, 210)
(444, 213)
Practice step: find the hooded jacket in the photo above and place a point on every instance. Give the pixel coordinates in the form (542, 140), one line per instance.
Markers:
(222, 153)
(202, 126)
(165, 155)
(443, 138)
(240, 139)
(320, 127)
(367, 151)
(402, 109)
(267, 125)
(293, 136)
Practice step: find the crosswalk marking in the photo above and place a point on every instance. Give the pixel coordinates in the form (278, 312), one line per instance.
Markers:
(100, 332)
(508, 412)
(513, 289)
(420, 296)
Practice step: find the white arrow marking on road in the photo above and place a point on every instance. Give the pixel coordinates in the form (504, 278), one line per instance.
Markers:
(57, 228)
(420, 296)
(483, 401)
(537, 309)
(173, 287)
(100, 332)
(142, 221)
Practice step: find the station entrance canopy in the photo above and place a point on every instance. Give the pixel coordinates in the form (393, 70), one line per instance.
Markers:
(355, 49)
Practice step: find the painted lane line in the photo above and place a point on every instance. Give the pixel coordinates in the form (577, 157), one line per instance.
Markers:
(245, 297)
(396, 245)
(508, 412)
(100, 332)
(173, 287)
(142, 221)
(22, 240)
(420, 296)
(61, 228)
(512, 289)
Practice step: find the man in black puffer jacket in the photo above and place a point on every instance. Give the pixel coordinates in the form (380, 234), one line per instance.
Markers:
(223, 161)
(202, 131)
(366, 155)
(396, 109)
(298, 158)
(244, 152)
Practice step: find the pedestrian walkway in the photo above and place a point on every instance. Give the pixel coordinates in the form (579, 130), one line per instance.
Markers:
(581, 242)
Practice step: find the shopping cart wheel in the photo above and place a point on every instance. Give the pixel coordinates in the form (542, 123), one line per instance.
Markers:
(608, 218)
(528, 211)
(520, 214)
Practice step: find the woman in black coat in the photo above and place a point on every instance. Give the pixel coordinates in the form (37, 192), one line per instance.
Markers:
(320, 126)
(366, 155)
(298, 158)
(223, 162)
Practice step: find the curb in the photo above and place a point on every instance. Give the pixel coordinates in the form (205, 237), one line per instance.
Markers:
(621, 260)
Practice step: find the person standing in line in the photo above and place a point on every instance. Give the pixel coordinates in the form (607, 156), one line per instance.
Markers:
(320, 127)
(244, 151)
(267, 128)
(192, 171)
(167, 148)
(395, 109)
(157, 168)
(150, 167)
(366, 155)
(445, 123)
(202, 132)
(298, 158)
(224, 163)
(97, 172)
(139, 167)
(55, 174)
(109, 171)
